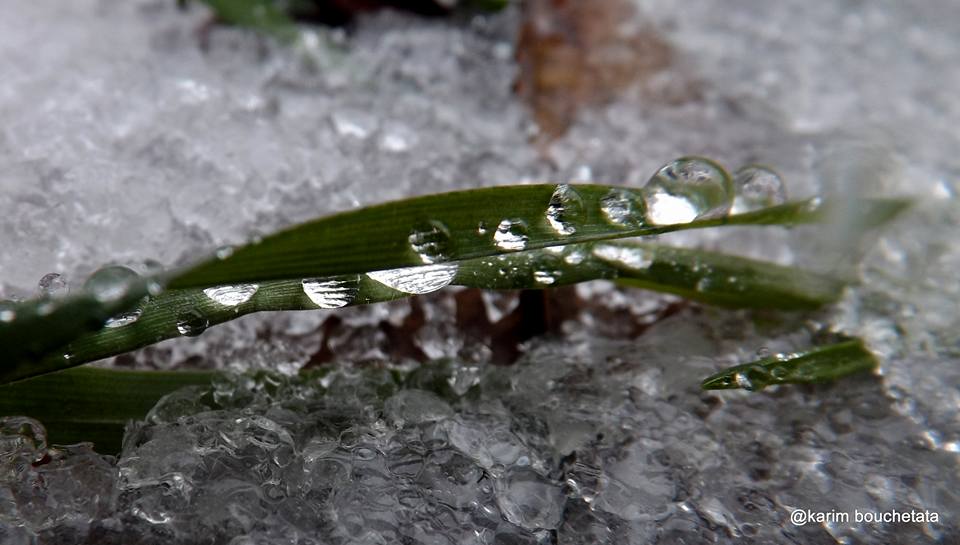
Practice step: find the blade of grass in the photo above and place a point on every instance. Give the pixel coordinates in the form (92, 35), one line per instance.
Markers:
(822, 364)
(707, 277)
(465, 225)
(91, 404)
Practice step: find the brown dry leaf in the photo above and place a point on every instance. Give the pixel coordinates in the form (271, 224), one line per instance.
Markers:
(574, 53)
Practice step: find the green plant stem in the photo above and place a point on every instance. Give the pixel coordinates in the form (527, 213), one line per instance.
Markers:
(821, 364)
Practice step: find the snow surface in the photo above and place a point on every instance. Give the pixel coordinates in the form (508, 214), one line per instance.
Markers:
(122, 141)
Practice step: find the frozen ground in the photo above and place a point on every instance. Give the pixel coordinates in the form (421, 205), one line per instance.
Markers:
(122, 141)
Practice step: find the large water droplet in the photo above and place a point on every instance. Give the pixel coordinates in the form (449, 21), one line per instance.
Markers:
(8, 311)
(110, 283)
(622, 208)
(231, 296)
(757, 187)
(431, 241)
(53, 285)
(687, 189)
(121, 320)
(632, 258)
(511, 235)
(331, 292)
(565, 209)
(192, 323)
(417, 280)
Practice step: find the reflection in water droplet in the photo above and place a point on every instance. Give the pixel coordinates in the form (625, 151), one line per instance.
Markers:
(757, 187)
(417, 280)
(430, 241)
(231, 296)
(8, 311)
(687, 189)
(482, 228)
(575, 257)
(511, 235)
(121, 320)
(53, 285)
(110, 283)
(545, 277)
(192, 323)
(224, 252)
(331, 292)
(633, 258)
(622, 208)
(565, 209)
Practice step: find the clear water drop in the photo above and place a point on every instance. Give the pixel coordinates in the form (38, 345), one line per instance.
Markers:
(231, 296)
(192, 323)
(633, 258)
(756, 187)
(331, 292)
(8, 311)
(622, 208)
(574, 257)
(53, 285)
(565, 209)
(224, 252)
(687, 189)
(417, 280)
(546, 278)
(482, 228)
(511, 235)
(430, 241)
(121, 320)
(111, 283)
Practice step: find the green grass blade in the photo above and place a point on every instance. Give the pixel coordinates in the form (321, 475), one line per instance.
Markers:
(707, 277)
(817, 365)
(90, 404)
(466, 225)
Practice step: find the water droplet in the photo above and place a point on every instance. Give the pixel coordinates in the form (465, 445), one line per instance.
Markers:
(431, 241)
(231, 296)
(633, 258)
(192, 323)
(511, 235)
(545, 277)
(757, 187)
(622, 208)
(417, 280)
(53, 285)
(224, 252)
(565, 209)
(8, 311)
(482, 228)
(687, 189)
(121, 320)
(331, 292)
(575, 257)
(110, 283)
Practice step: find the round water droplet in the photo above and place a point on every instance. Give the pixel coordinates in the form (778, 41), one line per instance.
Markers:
(224, 252)
(482, 228)
(565, 209)
(110, 283)
(757, 187)
(8, 311)
(430, 241)
(121, 320)
(53, 285)
(231, 296)
(417, 280)
(511, 235)
(331, 292)
(687, 189)
(622, 208)
(192, 323)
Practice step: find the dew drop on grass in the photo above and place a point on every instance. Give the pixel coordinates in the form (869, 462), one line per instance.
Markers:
(687, 189)
(482, 228)
(622, 208)
(756, 187)
(545, 278)
(511, 235)
(121, 320)
(231, 296)
(8, 310)
(331, 292)
(565, 209)
(430, 241)
(632, 258)
(53, 285)
(111, 283)
(417, 280)
(192, 323)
